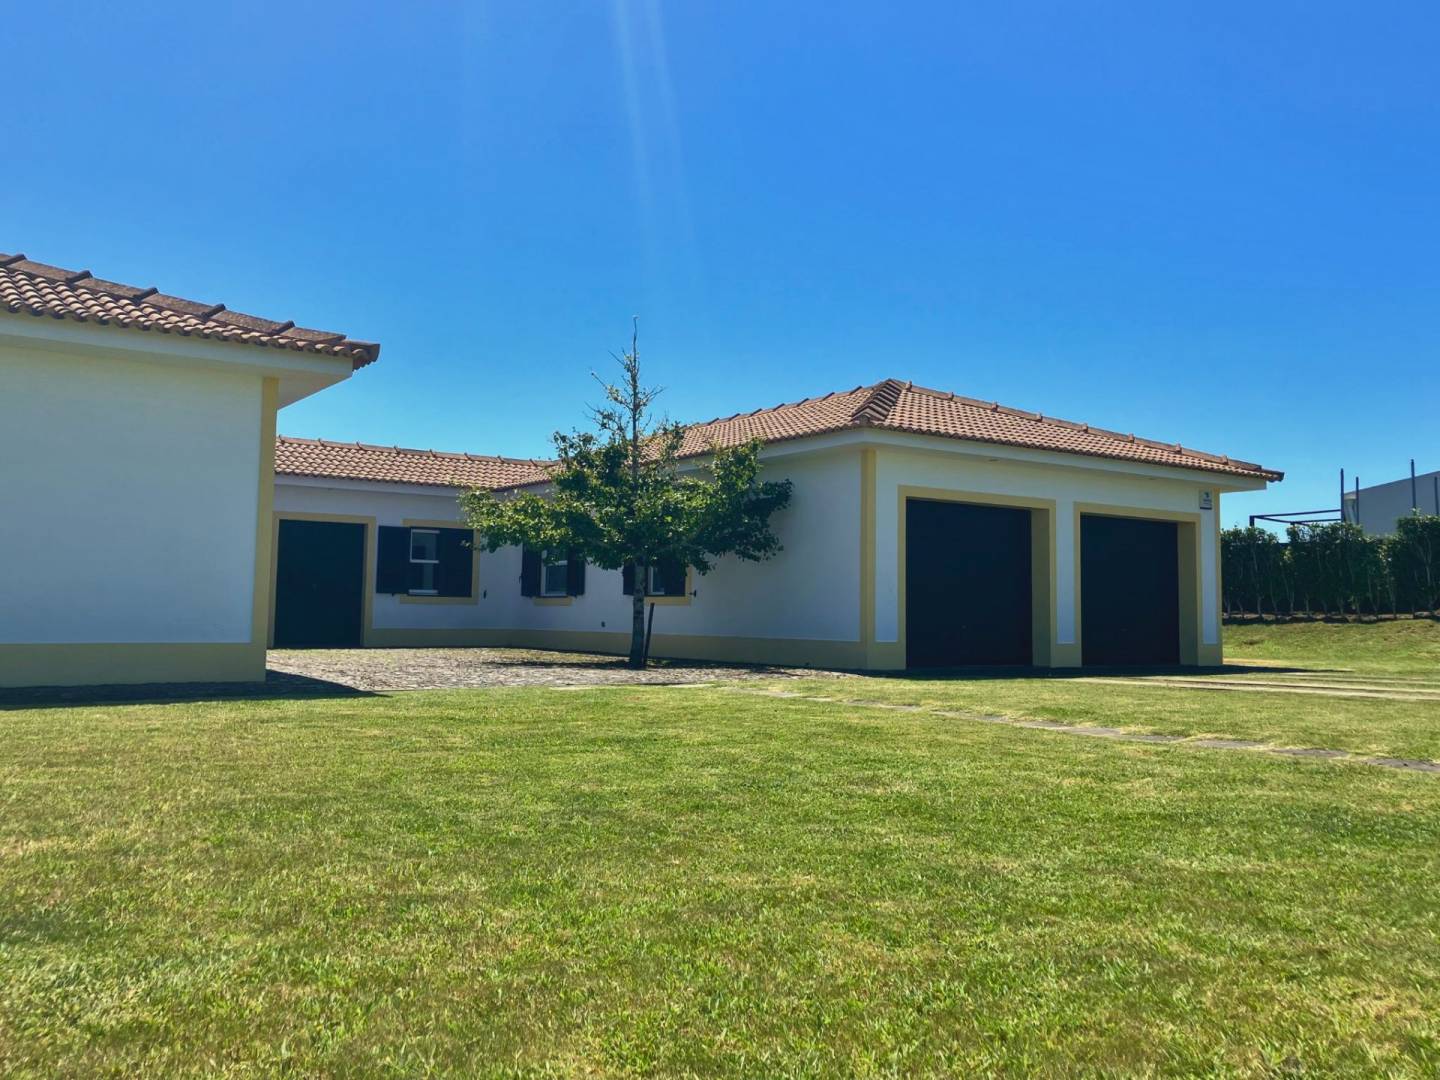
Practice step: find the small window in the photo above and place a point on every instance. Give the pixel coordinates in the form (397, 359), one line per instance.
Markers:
(661, 583)
(554, 574)
(424, 560)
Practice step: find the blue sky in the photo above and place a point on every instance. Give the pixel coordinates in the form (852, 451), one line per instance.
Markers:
(1214, 223)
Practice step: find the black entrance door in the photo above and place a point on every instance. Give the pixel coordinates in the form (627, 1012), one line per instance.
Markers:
(319, 584)
(1129, 591)
(967, 584)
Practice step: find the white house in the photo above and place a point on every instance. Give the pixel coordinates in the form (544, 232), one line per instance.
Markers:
(925, 529)
(155, 529)
(137, 435)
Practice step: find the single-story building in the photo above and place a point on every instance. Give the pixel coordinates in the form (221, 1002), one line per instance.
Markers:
(924, 530)
(137, 440)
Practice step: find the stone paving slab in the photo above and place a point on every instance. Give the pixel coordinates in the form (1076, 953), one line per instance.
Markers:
(1267, 687)
(1118, 734)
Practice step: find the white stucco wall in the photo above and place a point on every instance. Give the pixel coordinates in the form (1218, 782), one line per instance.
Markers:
(812, 590)
(1084, 481)
(130, 497)
(809, 591)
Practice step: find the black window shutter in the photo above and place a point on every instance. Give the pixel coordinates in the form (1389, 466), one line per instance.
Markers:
(457, 563)
(574, 574)
(392, 560)
(671, 574)
(529, 573)
(627, 577)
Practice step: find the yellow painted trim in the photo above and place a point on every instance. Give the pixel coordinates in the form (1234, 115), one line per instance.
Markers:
(552, 601)
(683, 600)
(1214, 655)
(1044, 616)
(1187, 562)
(867, 553)
(261, 599)
(475, 543)
(94, 664)
(671, 601)
(1043, 631)
(1188, 551)
(367, 584)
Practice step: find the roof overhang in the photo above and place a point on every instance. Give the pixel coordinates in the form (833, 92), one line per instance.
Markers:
(300, 374)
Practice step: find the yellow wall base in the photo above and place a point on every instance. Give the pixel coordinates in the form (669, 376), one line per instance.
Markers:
(1064, 656)
(97, 664)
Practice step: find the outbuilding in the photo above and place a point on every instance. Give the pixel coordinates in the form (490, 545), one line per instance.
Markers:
(925, 530)
(137, 439)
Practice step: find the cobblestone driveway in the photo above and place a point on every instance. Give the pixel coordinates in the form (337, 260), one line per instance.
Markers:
(438, 669)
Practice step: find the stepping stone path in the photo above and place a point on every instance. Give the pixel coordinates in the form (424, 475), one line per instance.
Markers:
(1118, 734)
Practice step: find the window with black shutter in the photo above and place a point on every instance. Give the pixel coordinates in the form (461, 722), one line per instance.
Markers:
(456, 572)
(555, 573)
(574, 574)
(666, 577)
(529, 573)
(551, 573)
(425, 562)
(392, 560)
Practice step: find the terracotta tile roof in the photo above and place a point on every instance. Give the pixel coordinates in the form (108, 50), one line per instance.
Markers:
(37, 289)
(398, 465)
(905, 406)
(901, 406)
(889, 405)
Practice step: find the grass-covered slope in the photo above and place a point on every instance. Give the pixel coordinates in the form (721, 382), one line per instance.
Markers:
(1401, 645)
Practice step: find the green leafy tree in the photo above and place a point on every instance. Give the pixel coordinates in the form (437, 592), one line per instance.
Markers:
(618, 498)
(1338, 565)
(1252, 569)
(1415, 560)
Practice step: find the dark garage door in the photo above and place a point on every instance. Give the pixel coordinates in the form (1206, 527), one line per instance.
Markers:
(319, 584)
(967, 584)
(1129, 591)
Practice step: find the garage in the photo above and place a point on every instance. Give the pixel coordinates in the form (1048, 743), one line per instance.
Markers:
(1129, 591)
(967, 585)
(319, 584)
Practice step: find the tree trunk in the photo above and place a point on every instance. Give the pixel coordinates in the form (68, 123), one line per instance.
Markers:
(637, 620)
(634, 405)
(640, 575)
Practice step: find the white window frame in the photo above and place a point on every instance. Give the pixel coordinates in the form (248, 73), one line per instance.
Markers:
(425, 562)
(545, 564)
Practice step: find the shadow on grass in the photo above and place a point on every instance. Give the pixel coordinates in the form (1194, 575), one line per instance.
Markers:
(277, 684)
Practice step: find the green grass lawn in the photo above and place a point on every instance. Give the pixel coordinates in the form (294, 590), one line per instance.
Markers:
(1403, 655)
(675, 882)
(1405, 646)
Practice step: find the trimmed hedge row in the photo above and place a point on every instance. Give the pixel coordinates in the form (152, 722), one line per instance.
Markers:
(1333, 568)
